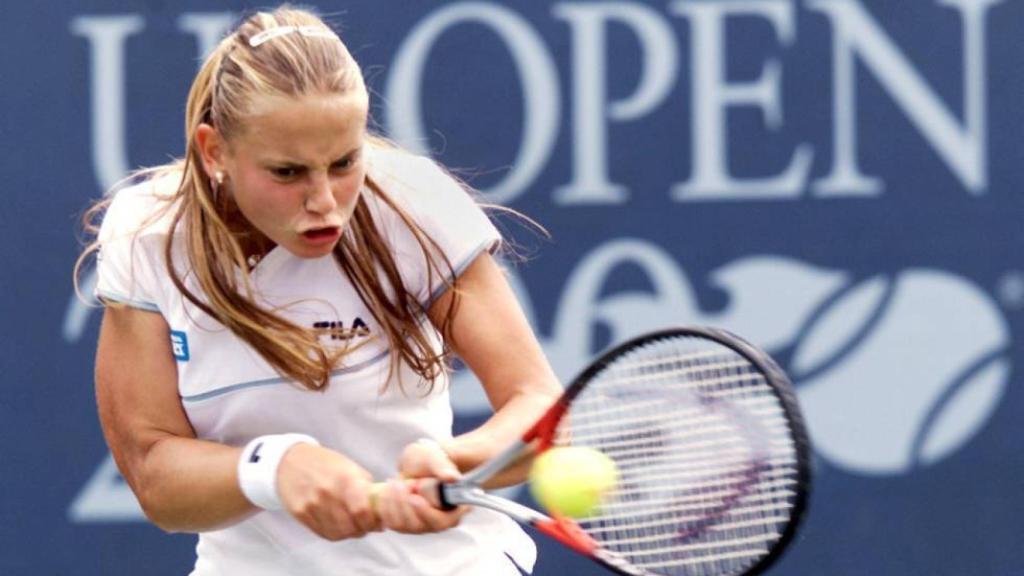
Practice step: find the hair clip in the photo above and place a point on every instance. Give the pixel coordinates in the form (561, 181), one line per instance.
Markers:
(307, 31)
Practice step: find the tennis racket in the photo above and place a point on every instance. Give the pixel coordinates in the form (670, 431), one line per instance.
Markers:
(711, 450)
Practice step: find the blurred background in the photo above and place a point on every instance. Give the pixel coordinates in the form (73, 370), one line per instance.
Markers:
(837, 180)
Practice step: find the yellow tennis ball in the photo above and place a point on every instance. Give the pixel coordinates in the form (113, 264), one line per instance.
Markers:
(573, 480)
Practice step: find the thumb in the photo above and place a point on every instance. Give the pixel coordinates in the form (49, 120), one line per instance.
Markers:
(446, 471)
(433, 461)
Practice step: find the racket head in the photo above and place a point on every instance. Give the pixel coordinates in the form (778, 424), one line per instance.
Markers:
(711, 448)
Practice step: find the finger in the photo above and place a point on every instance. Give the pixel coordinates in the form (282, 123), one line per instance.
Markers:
(433, 519)
(394, 508)
(384, 504)
(311, 523)
(361, 510)
(444, 470)
(427, 458)
(430, 489)
(333, 524)
(408, 516)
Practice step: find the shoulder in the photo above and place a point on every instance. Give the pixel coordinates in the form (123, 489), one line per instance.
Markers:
(142, 209)
(418, 184)
(403, 172)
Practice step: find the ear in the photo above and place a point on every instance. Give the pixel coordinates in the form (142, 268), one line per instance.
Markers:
(211, 148)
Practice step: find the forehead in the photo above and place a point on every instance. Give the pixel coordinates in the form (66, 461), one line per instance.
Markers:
(310, 128)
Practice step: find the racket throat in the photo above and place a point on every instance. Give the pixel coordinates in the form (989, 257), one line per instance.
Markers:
(567, 532)
(476, 496)
(543, 432)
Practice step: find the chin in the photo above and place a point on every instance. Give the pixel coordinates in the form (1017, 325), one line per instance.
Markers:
(311, 252)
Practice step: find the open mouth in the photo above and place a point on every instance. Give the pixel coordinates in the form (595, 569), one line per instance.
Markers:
(320, 234)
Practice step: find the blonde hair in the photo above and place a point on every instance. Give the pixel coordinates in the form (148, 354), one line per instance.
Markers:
(290, 53)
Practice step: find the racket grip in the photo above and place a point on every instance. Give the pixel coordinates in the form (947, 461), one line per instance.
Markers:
(430, 488)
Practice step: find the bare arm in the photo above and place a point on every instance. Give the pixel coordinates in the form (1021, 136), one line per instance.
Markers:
(189, 485)
(182, 483)
(492, 336)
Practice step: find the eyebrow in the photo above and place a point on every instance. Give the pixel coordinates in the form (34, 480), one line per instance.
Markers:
(298, 164)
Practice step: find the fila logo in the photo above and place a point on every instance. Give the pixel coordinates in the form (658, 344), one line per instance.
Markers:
(255, 456)
(179, 344)
(336, 330)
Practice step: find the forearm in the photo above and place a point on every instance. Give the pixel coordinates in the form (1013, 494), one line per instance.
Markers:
(507, 425)
(189, 485)
(490, 333)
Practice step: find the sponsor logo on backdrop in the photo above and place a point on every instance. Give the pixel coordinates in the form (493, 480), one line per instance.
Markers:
(894, 371)
(921, 354)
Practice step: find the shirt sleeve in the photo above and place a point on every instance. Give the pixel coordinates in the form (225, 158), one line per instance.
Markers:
(446, 213)
(127, 266)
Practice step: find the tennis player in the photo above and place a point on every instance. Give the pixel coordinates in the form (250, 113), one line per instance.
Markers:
(280, 307)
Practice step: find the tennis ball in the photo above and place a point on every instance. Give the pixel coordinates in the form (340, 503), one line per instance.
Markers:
(572, 481)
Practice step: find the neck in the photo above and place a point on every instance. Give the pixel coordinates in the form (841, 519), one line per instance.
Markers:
(255, 245)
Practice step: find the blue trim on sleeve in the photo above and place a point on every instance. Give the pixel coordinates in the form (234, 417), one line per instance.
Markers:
(105, 296)
(485, 246)
(280, 380)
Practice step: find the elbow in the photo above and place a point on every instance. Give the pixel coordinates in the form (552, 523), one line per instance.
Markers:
(167, 512)
(164, 522)
(150, 494)
(158, 511)
(159, 500)
(172, 521)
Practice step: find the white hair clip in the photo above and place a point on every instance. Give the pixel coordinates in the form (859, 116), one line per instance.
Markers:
(307, 31)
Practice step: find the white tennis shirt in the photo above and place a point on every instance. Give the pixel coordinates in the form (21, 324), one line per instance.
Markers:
(232, 395)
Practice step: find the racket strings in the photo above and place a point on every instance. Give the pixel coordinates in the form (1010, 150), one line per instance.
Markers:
(628, 510)
(770, 481)
(705, 457)
(694, 414)
(722, 475)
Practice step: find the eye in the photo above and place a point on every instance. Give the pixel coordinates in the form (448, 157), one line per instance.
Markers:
(343, 164)
(346, 162)
(286, 172)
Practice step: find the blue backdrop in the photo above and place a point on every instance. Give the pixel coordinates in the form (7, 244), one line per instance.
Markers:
(838, 180)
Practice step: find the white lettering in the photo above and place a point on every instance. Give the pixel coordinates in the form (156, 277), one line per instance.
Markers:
(712, 95)
(107, 35)
(963, 150)
(537, 76)
(590, 99)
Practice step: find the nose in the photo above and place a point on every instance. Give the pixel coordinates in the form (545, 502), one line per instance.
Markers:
(320, 198)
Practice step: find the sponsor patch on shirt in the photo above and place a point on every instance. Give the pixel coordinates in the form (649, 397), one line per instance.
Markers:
(179, 343)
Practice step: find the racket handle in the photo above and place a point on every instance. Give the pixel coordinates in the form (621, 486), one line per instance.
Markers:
(430, 488)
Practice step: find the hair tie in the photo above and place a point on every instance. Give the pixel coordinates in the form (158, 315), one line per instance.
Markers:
(277, 32)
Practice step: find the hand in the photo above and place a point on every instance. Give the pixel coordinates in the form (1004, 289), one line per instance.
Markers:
(400, 506)
(326, 492)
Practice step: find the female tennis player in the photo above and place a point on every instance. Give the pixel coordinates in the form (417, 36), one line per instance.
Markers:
(281, 305)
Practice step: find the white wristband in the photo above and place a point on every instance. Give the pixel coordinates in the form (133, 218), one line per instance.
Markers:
(257, 467)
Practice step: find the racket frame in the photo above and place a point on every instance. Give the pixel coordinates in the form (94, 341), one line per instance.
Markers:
(541, 437)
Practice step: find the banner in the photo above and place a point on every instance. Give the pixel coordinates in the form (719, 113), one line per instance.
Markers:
(837, 180)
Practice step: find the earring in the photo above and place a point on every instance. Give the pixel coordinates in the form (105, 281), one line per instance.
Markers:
(215, 183)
